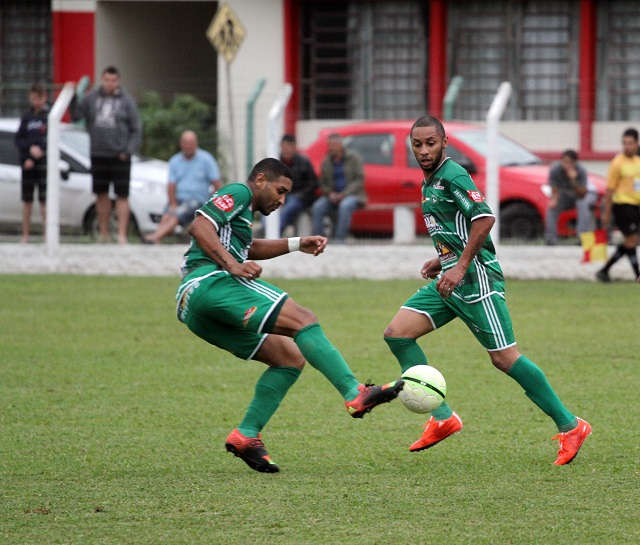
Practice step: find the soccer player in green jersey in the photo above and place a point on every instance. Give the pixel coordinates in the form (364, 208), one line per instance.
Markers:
(222, 300)
(469, 285)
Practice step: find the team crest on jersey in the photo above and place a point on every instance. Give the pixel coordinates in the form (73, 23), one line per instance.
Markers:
(475, 196)
(444, 253)
(250, 312)
(224, 202)
(432, 224)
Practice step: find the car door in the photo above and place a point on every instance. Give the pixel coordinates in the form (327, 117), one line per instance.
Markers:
(10, 176)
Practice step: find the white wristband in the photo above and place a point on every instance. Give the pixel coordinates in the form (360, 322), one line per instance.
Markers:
(294, 244)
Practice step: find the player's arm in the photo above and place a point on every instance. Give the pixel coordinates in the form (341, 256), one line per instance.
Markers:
(480, 229)
(205, 234)
(262, 248)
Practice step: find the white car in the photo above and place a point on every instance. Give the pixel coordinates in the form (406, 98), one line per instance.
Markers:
(147, 194)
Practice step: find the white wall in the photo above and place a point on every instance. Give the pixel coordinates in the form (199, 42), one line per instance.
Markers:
(261, 55)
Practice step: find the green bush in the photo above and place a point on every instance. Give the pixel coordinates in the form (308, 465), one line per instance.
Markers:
(163, 122)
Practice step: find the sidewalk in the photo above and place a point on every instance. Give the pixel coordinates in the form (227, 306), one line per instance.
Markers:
(350, 261)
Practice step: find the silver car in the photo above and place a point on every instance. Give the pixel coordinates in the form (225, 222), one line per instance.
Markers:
(147, 195)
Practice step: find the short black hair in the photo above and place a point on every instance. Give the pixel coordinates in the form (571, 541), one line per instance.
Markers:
(429, 121)
(272, 169)
(571, 154)
(38, 88)
(632, 133)
(289, 138)
(111, 70)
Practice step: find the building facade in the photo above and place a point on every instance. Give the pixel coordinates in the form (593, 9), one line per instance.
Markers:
(574, 65)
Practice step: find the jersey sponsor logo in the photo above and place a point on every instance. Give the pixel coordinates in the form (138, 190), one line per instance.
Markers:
(250, 312)
(462, 198)
(224, 202)
(437, 184)
(475, 196)
(432, 224)
(444, 253)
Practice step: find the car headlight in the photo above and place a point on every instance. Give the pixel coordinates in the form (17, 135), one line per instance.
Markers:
(149, 188)
(546, 190)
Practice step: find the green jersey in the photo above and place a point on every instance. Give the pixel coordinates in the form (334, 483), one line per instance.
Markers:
(230, 212)
(450, 202)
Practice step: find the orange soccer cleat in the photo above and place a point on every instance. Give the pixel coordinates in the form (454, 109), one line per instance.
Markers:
(252, 452)
(571, 441)
(370, 396)
(436, 431)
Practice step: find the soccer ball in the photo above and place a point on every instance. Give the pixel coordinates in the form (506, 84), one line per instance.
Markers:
(424, 389)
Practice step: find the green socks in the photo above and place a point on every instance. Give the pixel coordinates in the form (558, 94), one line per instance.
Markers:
(408, 354)
(322, 355)
(271, 388)
(528, 375)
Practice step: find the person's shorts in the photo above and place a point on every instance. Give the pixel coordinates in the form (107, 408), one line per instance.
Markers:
(488, 319)
(231, 313)
(185, 211)
(33, 178)
(626, 218)
(107, 170)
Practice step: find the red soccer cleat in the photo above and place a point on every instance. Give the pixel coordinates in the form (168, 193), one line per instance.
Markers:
(571, 441)
(370, 396)
(251, 450)
(436, 431)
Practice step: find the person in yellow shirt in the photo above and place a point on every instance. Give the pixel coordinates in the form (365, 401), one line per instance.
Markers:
(622, 199)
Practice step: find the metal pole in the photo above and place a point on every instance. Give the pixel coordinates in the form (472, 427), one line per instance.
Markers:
(251, 103)
(274, 122)
(232, 132)
(52, 235)
(493, 156)
(451, 96)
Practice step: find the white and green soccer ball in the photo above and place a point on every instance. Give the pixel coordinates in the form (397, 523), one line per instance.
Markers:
(424, 389)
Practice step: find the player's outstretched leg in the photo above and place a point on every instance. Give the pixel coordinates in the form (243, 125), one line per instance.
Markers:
(321, 354)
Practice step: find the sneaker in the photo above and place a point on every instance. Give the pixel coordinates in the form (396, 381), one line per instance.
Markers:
(370, 396)
(435, 431)
(252, 452)
(603, 276)
(571, 441)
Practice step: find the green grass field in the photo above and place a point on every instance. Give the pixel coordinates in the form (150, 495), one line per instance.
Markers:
(113, 418)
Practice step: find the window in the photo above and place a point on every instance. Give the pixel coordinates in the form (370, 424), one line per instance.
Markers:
(375, 149)
(363, 60)
(533, 45)
(25, 51)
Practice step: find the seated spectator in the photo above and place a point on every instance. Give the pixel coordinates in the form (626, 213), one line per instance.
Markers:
(193, 174)
(305, 182)
(569, 189)
(342, 186)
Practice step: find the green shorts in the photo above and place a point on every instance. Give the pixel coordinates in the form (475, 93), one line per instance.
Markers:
(488, 319)
(231, 313)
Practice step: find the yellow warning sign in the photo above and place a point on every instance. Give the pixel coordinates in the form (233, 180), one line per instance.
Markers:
(226, 32)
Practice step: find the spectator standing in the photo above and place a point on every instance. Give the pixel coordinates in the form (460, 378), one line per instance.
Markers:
(569, 189)
(31, 140)
(305, 182)
(622, 199)
(342, 186)
(193, 175)
(113, 123)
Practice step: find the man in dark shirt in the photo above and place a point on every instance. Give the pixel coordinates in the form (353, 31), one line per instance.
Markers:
(31, 140)
(305, 182)
(569, 189)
